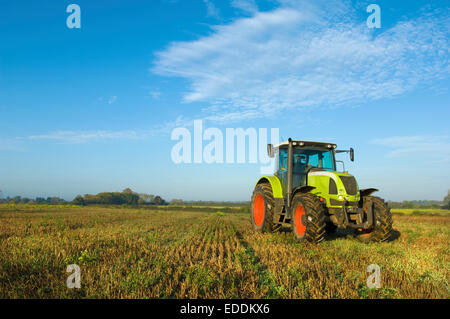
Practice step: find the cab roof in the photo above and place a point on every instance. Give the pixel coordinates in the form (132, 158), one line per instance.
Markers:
(307, 144)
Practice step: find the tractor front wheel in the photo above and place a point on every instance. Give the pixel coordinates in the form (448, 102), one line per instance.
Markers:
(262, 210)
(382, 228)
(308, 218)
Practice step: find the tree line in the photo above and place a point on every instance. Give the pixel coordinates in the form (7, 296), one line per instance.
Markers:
(37, 200)
(126, 197)
(445, 203)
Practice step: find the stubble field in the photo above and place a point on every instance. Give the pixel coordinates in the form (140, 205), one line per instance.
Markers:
(139, 253)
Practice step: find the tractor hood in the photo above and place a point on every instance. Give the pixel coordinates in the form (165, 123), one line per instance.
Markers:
(336, 186)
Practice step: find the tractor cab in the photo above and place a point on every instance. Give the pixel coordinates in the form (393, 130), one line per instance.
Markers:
(306, 157)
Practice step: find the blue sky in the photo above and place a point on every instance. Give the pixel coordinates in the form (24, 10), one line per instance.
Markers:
(91, 109)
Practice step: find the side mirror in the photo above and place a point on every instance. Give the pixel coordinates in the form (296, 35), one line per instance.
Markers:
(270, 150)
(352, 154)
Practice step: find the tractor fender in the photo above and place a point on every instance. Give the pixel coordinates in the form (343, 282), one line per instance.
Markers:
(303, 189)
(275, 183)
(367, 191)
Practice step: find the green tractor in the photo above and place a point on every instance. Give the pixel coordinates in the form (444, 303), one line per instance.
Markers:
(309, 195)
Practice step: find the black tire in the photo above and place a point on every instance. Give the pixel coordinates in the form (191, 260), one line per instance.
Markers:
(310, 224)
(382, 229)
(265, 222)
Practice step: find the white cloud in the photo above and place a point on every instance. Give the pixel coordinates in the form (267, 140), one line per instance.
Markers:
(245, 5)
(304, 57)
(426, 147)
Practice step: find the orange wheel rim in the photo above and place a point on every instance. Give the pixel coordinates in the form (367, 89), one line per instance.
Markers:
(299, 213)
(258, 210)
(365, 232)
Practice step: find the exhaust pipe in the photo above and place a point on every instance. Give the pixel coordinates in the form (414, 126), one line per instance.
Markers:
(289, 178)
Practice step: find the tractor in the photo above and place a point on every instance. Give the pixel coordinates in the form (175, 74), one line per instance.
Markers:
(309, 195)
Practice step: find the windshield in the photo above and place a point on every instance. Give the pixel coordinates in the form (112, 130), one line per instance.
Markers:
(307, 158)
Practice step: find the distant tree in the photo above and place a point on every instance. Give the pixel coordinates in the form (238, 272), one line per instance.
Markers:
(131, 199)
(159, 201)
(407, 204)
(105, 198)
(446, 200)
(79, 200)
(89, 199)
(146, 198)
(55, 200)
(40, 200)
(127, 191)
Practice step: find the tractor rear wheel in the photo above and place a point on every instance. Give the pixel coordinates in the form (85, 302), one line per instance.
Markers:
(262, 210)
(382, 228)
(308, 218)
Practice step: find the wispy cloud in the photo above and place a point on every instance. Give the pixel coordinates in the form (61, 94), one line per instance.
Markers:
(112, 99)
(304, 57)
(212, 11)
(166, 127)
(155, 94)
(10, 144)
(427, 147)
(75, 137)
(81, 137)
(248, 6)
